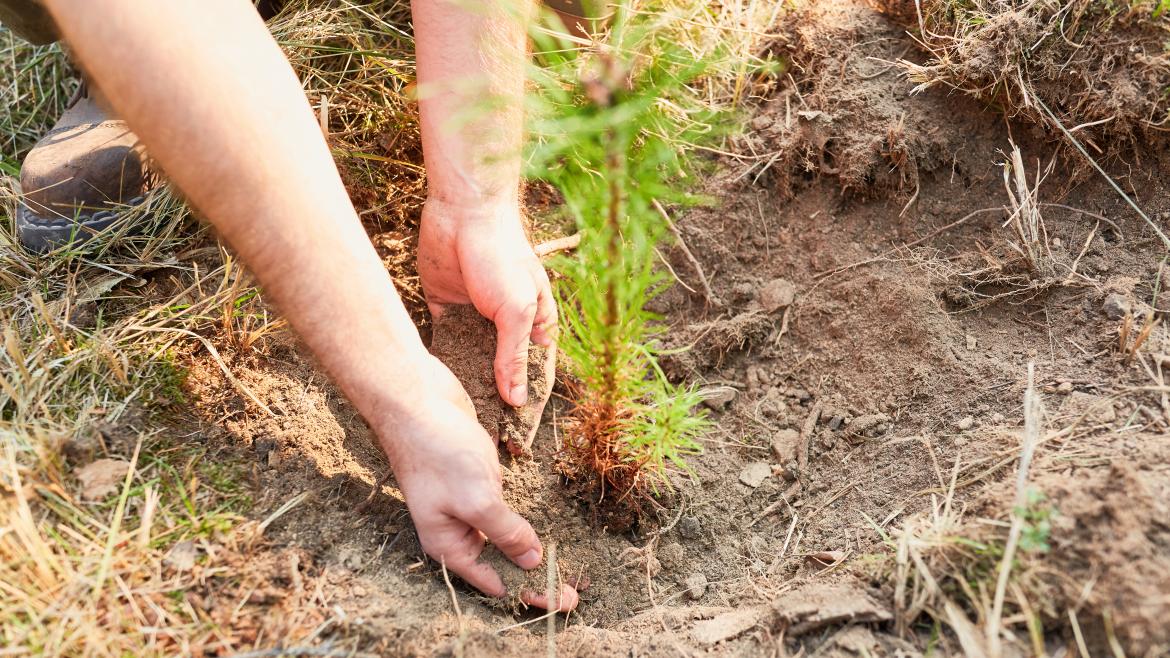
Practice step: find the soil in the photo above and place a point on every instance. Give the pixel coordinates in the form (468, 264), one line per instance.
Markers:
(465, 342)
(899, 364)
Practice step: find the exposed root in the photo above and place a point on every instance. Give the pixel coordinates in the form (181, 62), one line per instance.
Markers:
(682, 244)
(609, 482)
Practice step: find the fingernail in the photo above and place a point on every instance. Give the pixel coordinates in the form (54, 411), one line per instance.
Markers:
(529, 560)
(519, 394)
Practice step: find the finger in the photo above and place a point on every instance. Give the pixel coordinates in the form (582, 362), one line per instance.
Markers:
(456, 547)
(513, 329)
(544, 325)
(566, 600)
(458, 550)
(481, 576)
(510, 533)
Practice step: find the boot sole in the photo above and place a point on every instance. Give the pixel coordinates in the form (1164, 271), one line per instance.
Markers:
(40, 234)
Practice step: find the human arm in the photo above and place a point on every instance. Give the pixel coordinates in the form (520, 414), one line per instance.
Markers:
(472, 244)
(218, 106)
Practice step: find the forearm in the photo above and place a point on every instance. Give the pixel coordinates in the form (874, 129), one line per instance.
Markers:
(219, 108)
(471, 55)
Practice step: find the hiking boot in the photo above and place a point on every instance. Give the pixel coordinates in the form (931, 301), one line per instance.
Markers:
(80, 177)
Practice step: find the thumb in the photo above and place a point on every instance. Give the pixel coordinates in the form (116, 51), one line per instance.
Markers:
(510, 533)
(513, 330)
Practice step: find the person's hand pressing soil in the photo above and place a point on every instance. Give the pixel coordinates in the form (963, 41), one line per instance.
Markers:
(481, 256)
(449, 471)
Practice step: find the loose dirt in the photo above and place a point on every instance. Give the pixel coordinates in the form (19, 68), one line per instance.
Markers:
(902, 368)
(465, 342)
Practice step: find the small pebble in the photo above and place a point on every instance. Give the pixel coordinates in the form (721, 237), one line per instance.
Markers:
(689, 527)
(763, 121)
(754, 474)
(965, 424)
(784, 445)
(1116, 306)
(696, 586)
(870, 425)
(972, 343)
(744, 291)
(800, 394)
(718, 398)
(777, 294)
(671, 554)
(753, 379)
(997, 418)
(1064, 388)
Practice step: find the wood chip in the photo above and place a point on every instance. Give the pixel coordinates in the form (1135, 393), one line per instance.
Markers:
(817, 606)
(101, 478)
(726, 626)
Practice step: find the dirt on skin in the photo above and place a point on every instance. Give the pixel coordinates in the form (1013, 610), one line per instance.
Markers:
(900, 368)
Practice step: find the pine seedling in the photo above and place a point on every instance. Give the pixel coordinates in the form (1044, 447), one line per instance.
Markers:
(607, 127)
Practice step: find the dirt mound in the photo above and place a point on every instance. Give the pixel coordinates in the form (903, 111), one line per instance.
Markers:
(1100, 67)
(1115, 525)
(847, 112)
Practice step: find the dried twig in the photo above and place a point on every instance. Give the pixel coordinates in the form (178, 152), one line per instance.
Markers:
(806, 431)
(567, 243)
(365, 504)
(707, 292)
(1030, 439)
(458, 611)
(552, 593)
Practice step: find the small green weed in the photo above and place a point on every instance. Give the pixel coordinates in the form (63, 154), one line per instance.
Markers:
(1037, 517)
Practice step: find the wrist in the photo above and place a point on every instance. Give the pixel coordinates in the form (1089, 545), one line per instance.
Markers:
(419, 394)
(472, 204)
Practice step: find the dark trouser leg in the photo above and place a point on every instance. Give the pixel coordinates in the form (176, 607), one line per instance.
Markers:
(584, 18)
(29, 20)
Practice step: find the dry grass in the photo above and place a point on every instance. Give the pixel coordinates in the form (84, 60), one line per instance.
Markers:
(1025, 262)
(959, 574)
(1030, 566)
(1101, 67)
(1026, 220)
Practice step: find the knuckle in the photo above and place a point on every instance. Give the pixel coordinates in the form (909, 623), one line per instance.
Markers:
(520, 308)
(510, 362)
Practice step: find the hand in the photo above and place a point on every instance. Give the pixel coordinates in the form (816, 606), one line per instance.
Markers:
(481, 256)
(448, 468)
